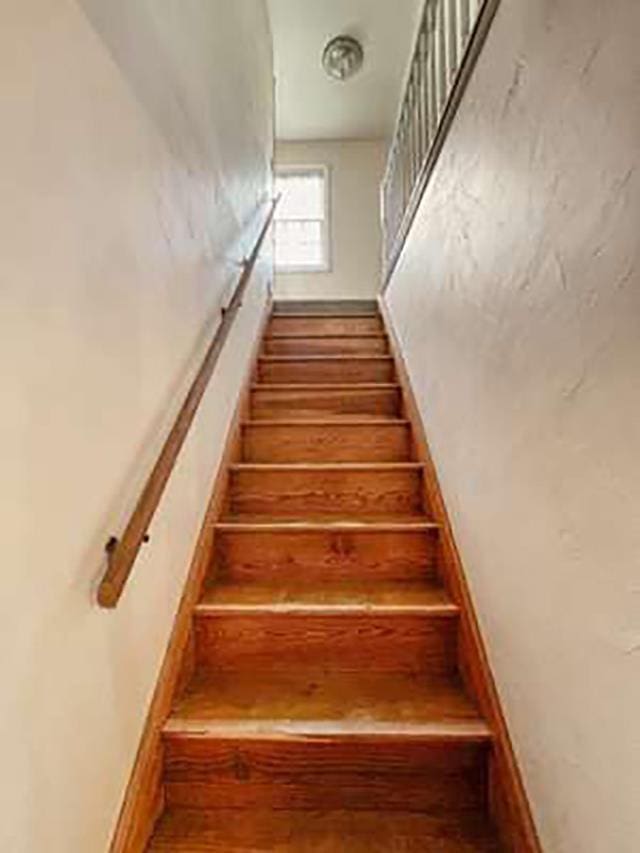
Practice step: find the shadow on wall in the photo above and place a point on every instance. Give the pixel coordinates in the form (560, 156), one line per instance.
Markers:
(163, 54)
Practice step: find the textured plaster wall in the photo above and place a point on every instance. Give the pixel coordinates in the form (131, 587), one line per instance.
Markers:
(136, 146)
(356, 168)
(517, 301)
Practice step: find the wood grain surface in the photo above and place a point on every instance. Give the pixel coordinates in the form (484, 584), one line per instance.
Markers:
(322, 705)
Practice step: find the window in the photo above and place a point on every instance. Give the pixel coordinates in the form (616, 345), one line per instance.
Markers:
(302, 227)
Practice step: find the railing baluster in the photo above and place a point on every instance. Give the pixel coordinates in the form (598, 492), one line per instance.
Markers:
(474, 11)
(450, 32)
(410, 134)
(433, 75)
(451, 41)
(423, 96)
(409, 152)
(404, 161)
(410, 142)
(398, 199)
(464, 27)
(417, 145)
(417, 136)
(441, 58)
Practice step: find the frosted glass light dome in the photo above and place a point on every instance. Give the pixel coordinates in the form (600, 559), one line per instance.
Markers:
(342, 57)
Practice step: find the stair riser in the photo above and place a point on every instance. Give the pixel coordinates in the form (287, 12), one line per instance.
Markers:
(326, 556)
(326, 346)
(332, 307)
(341, 642)
(306, 327)
(293, 493)
(327, 443)
(269, 404)
(326, 371)
(325, 774)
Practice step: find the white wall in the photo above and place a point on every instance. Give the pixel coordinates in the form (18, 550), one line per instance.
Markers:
(517, 302)
(356, 169)
(136, 141)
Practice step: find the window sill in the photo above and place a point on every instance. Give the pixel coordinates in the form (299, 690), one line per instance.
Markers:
(301, 270)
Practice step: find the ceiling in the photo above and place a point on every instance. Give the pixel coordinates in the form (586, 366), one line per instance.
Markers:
(310, 105)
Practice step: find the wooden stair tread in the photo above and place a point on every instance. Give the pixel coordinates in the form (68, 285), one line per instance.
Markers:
(335, 419)
(333, 336)
(346, 421)
(312, 703)
(344, 357)
(318, 387)
(353, 595)
(265, 831)
(371, 315)
(327, 466)
(388, 522)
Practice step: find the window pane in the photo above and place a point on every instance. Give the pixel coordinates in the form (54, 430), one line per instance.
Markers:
(299, 244)
(302, 195)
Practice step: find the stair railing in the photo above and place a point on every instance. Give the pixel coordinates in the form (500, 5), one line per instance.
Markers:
(450, 38)
(122, 553)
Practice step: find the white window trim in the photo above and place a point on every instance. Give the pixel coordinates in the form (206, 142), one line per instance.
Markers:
(305, 169)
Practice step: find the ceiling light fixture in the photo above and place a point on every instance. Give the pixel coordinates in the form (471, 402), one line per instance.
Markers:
(342, 57)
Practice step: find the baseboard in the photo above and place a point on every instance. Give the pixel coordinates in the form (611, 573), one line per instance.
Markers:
(508, 799)
(144, 797)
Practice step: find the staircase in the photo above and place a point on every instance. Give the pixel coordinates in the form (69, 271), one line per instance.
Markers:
(324, 710)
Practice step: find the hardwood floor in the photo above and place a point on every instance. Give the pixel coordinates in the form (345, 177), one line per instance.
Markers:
(322, 706)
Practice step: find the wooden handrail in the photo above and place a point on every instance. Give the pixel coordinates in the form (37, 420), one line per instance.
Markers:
(121, 553)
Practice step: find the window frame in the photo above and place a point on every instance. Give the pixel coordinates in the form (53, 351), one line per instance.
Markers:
(306, 170)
